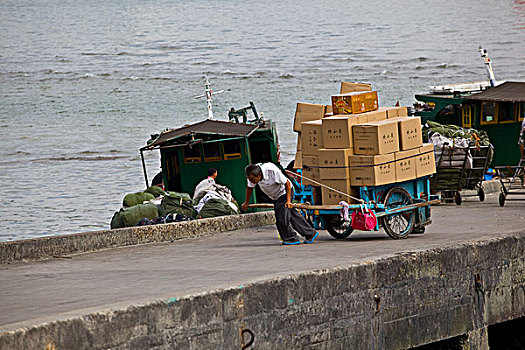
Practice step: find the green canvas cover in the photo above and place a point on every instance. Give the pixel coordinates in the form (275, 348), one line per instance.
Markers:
(156, 191)
(180, 203)
(216, 207)
(131, 216)
(132, 199)
(453, 131)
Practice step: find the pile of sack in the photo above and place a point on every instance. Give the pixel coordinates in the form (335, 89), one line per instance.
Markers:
(155, 206)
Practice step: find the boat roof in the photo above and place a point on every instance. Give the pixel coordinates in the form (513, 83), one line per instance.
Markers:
(209, 127)
(507, 92)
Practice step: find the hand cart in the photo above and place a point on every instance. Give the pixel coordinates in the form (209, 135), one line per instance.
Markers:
(509, 184)
(401, 208)
(461, 168)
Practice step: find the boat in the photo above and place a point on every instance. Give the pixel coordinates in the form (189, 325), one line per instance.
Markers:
(187, 152)
(497, 107)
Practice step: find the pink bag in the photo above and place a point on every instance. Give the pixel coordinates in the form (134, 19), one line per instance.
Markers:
(363, 219)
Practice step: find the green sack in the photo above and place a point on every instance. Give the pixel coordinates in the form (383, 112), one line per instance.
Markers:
(155, 191)
(180, 203)
(131, 216)
(132, 199)
(216, 207)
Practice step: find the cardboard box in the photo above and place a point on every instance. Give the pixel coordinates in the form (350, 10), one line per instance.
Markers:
(311, 173)
(425, 160)
(350, 103)
(347, 87)
(371, 102)
(334, 163)
(328, 110)
(372, 170)
(306, 112)
(379, 137)
(299, 148)
(394, 112)
(337, 130)
(373, 116)
(310, 161)
(311, 137)
(410, 135)
(330, 197)
(298, 162)
(406, 165)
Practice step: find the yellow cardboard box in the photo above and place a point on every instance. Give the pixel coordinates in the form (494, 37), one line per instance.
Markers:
(372, 170)
(311, 137)
(334, 163)
(380, 137)
(406, 165)
(306, 112)
(350, 103)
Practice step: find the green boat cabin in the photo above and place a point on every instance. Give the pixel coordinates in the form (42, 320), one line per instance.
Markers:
(187, 153)
(498, 110)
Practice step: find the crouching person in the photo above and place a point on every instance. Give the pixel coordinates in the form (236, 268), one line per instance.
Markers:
(276, 186)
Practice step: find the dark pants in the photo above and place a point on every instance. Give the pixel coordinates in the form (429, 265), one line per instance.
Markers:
(288, 220)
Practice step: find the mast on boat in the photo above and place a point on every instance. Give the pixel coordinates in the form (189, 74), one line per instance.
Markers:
(208, 94)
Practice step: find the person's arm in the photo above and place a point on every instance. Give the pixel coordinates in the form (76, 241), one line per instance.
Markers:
(249, 191)
(288, 187)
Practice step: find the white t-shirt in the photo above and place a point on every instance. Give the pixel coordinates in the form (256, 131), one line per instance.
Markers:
(273, 181)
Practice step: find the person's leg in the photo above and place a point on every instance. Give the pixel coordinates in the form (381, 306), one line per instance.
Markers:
(282, 220)
(300, 224)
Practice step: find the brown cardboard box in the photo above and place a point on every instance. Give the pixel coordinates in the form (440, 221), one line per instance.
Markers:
(328, 110)
(347, 87)
(425, 161)
(334, 163)
(299, 148)
(373, 116)
(310, 161)
(371, 102)
(311, 173)
(409, 132)
(350, 103)
(394, 112)
(337, 131)
(298, 162)
(372, 170)
(378, 137)
(343, 185)
(406, 165)
(311, 137)
(306, 112)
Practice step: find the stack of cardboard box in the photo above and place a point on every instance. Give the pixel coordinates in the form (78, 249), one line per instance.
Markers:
(360, 144)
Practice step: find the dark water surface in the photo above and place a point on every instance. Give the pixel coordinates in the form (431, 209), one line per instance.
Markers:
(84, 84)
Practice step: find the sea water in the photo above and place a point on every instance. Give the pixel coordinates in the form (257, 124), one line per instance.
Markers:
(83, 84)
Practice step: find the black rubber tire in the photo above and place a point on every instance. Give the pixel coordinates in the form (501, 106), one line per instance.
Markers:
(337, 227)
(481, 195)
(502, 199)
(457, 198)
(398, 197)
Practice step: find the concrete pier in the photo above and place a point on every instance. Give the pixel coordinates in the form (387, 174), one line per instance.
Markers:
(453, 283)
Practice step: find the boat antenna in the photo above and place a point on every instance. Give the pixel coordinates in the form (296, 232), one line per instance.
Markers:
(488, 65)
(209, 93)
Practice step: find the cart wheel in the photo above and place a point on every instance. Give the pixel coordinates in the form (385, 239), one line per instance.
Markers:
(337, 227)
(501, 199)
(419, 230)
(481, 194)
(457, 198)
(398, 225)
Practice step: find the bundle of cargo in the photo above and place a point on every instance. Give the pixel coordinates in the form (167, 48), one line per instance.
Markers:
(359, 144)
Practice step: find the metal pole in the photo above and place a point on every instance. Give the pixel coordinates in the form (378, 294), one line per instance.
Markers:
(144, 168)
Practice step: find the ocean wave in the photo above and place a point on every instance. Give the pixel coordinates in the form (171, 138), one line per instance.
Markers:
(286, 76)
(76, 158)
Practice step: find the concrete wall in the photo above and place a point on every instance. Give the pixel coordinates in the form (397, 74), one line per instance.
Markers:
(394, 303)
(56, 246)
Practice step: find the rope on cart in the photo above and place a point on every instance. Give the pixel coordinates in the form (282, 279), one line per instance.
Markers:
(320, 184)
